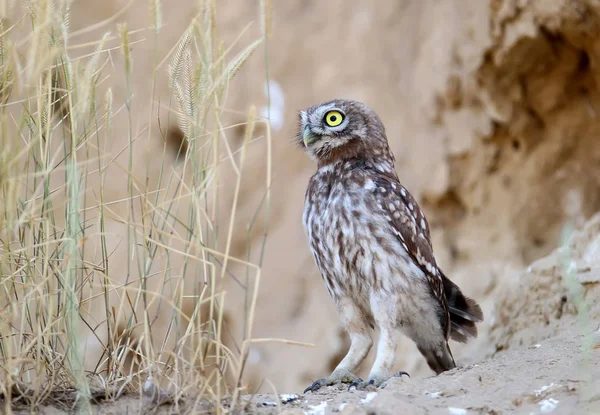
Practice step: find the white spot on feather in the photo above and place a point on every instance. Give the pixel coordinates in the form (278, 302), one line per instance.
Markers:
(403, 192)
(370, 185)
(326, 169)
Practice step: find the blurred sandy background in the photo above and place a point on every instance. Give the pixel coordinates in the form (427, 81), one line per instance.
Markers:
(491, 109)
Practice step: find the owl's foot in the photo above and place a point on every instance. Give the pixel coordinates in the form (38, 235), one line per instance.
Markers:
(374, 383)
(335, 378)
(364, 386)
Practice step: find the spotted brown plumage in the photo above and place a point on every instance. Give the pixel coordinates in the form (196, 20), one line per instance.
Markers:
(371, 242)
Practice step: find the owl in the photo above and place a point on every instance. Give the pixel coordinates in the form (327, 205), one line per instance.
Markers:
(371, 243)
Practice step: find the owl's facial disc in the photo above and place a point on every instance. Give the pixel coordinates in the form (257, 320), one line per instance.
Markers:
(339, 129)
(325, 121)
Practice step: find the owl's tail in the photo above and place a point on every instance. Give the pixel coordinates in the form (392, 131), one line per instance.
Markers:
(464, 312)
(439, 359)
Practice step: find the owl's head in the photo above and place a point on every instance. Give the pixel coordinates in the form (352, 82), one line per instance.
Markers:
(340, 129)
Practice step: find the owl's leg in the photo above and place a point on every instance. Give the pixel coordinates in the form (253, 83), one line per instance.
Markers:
(385, 317)
(358, 329)
(386, 356)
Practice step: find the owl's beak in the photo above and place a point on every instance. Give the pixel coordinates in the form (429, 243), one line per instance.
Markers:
(308, 137)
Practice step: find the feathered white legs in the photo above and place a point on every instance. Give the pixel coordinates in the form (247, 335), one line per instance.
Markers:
(357, 327)
(385, 315)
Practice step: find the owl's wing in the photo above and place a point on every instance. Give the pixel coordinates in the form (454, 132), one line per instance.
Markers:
(412, 230)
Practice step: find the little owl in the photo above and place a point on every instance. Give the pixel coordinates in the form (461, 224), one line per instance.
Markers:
(371, 243)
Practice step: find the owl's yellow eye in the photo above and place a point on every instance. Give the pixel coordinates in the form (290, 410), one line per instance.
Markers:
(334, 118)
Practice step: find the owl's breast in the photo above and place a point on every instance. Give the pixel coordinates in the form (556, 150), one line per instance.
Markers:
(352, 240)
(342, 230)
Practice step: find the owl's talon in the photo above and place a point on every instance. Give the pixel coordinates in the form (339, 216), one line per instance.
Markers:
(354, 385)
(361, 385)
(373, 384)
(316, 385)
(342, 376)
(395, 375)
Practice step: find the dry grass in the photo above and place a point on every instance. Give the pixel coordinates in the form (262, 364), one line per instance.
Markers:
(61, 289)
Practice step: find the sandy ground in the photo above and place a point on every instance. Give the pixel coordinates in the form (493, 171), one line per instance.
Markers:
(553, 376)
